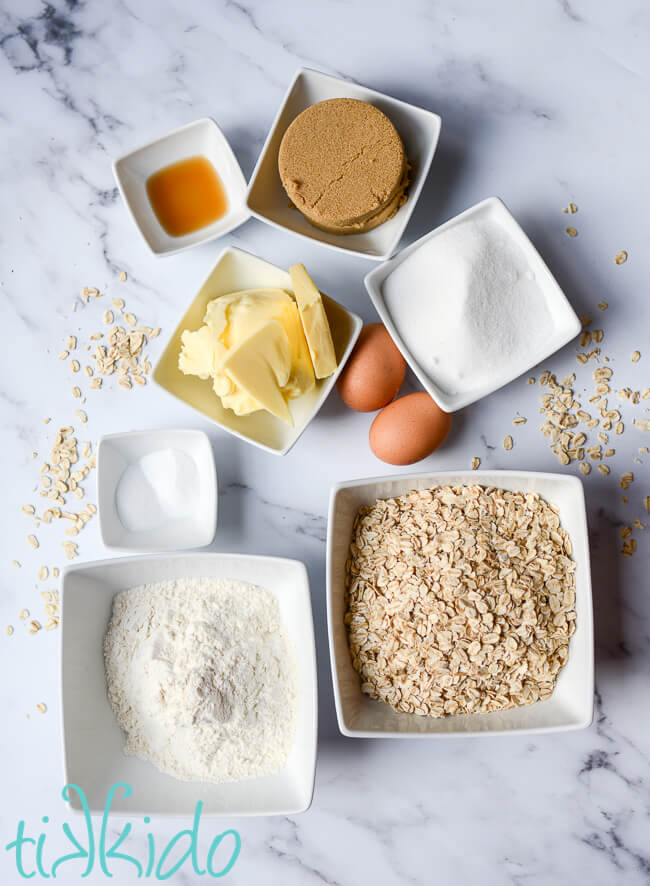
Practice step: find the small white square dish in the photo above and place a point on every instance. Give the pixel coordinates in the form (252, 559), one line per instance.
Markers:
(571, 704)
(561, 320)
(92, 739)
(268, 201)
(156, 490)
(234, 271)
(200, 138)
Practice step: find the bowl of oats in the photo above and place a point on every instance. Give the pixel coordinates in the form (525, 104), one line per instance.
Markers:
(459, 604)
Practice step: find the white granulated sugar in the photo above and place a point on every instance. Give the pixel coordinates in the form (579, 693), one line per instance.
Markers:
(202, 678)
(467, 305)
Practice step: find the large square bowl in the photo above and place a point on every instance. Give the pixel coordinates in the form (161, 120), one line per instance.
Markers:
(566, 324)
(268, 201)
(571, 704)
(92, 740)
(236, 270)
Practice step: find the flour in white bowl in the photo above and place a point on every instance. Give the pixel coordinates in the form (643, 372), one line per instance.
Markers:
(202, 678)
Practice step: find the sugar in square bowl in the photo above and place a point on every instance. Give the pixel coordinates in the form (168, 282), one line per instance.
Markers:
(268, 201)
(562, 321)
(92, 739)
(195, 528)
(201, 138)
(234, 271)
(571, 704)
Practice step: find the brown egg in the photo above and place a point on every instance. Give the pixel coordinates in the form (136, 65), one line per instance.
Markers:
(375, 371)
(409, 429)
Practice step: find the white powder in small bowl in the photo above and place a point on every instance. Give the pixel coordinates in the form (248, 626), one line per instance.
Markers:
(202, 678)
(467, 305)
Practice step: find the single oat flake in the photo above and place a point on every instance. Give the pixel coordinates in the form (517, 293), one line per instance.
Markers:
(476, 461)
(507, 443)
(621, 257)
(572, 232)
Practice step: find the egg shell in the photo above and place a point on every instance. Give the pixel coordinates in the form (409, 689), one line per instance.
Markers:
(409, 429)
(374, 372)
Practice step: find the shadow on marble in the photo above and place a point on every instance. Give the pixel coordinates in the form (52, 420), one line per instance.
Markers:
(612, 647)
(575, 271)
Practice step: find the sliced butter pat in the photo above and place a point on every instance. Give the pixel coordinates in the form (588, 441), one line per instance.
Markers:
(260, 366)
(314, 321)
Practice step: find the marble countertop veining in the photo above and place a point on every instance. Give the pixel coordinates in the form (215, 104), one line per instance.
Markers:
(541, 104)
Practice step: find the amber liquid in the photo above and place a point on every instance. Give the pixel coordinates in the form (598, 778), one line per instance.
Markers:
(187, 195)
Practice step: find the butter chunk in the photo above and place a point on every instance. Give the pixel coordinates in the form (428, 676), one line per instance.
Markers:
(260, 366)
(314, 321)
(201, 353)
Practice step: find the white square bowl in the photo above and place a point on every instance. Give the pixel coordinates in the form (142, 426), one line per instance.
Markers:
(236, 270)
(203, 137)
(571, 704)
(566, 324)
(268, 201)
(117, 451)
(92, 739)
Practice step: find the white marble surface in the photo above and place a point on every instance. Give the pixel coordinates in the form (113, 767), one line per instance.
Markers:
(541, 105)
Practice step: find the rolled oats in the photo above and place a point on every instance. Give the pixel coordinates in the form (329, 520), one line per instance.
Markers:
(459, 599)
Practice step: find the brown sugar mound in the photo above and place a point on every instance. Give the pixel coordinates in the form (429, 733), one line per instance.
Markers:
(343, 165)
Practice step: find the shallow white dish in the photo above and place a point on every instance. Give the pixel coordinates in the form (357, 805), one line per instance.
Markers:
(133, 169)
(236, 270)
(566, 324)
(268, 201)
(571, 704)
(92, 739)
(117, 451)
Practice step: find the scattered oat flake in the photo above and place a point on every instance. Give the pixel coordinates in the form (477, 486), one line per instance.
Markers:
(603, 305)
(507, 442)
(572, 232)
(643, 424)
(531, 380)
(585, 467)
(636, 356)
(42, 573)
(76, 392)
(41, 707)
(55, 572)
(621, 257)
(23, 615)
(646, 502)
(71, 342)
(638, 524)
(15, 563)
(28, 509)
(123, 276)
(604, 469)
(130, 319)
(519, 420)
(81, 415)
(64, 355)
(476, 461)
(32, 541)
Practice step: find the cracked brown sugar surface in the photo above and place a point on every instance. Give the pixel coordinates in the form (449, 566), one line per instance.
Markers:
(343, 165)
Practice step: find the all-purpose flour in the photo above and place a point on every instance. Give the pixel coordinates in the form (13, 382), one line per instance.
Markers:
(467, 304)
(202, 678)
